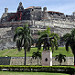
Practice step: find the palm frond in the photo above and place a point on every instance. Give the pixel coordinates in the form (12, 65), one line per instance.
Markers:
(73, 32)
(36, 54)
(60, 57)
(39, 43)
(18, 45)
(15, 37)
(29, 42)
(55, 35)
(55, 43)
(56, 57)
(41, 40)
(66, 36)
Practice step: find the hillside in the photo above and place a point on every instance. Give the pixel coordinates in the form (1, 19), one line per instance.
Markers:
(16, 53)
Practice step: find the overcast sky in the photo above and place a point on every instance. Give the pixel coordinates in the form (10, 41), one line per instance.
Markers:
(64, 6)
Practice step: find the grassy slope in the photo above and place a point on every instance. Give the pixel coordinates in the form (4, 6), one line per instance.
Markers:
(29, 73)
(16, 53)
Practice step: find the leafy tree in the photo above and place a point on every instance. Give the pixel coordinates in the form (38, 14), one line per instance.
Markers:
(70, 42)
(47, 39)
(60, 58)
(23, 39)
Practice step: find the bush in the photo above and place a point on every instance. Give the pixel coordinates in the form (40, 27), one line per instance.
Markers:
(60, 69)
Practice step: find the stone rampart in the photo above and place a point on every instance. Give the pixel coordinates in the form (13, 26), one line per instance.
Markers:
(7, 29)
(6, 38)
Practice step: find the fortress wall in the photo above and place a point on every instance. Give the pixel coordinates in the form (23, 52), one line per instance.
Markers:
(62, 31)
(6, 38)
(52, 23)
(7, 32)
(58, 27)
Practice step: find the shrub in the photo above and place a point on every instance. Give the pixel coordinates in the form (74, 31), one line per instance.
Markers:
(60, 69)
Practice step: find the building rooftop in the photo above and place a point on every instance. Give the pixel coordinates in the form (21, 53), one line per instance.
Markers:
(55, 12)
(30, 7)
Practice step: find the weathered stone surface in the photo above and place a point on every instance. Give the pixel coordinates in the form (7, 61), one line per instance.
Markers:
(5, 60)
(46, 58)
(30, 61)
(69, 61)
(7, 30)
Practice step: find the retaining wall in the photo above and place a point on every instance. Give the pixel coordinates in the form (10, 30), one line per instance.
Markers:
(30, 61)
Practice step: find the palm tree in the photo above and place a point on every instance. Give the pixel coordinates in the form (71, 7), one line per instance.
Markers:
(23, 39)
(36, 55)
(60, 58)
(48, 40)
(70, 42)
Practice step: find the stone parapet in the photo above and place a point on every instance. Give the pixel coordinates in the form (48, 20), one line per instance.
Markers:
(51, 23)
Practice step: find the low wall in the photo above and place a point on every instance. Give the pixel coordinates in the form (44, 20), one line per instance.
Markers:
(30, 61)
(5, 60)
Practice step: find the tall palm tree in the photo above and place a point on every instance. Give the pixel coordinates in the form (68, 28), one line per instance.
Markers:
(70, 42)
(23, 39)
(60, 58)
(48, 40)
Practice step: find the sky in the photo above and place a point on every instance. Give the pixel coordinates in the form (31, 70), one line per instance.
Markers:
(65, 6)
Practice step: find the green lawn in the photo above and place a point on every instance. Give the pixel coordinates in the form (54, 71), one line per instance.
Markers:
(16, 53)
(29, 73)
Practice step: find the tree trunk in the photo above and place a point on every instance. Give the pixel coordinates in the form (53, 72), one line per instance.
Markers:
(24, 56)
(60, 63)
(74, 60)
(37, 60)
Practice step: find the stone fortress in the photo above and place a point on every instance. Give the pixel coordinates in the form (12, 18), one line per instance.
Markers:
(37, 18)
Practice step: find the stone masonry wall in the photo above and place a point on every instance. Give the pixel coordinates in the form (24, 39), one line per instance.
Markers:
(30, 61)
(6, 38)
(7, 32)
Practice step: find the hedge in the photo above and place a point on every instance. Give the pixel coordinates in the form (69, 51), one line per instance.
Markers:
(56, 69)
